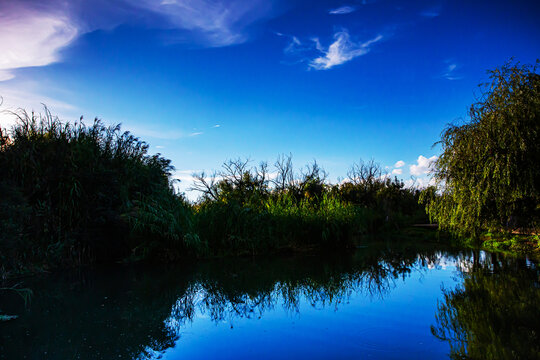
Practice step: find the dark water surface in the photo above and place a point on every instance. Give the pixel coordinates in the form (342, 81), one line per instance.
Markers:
(382, 302)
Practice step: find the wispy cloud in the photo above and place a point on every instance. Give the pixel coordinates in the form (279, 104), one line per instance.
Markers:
(397, 171)
(145, 132)
(295, 46)
(33, 32)
(217, 22)
(196, 133)
(30, 38)
(342, 50)
(449, 73)
(430, 13)
(29, 96)
(399, 164)
(216, 126)
(342, 10)
(423, 165)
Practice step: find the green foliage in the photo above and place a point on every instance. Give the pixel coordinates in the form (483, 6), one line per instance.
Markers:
(242, 210)
(494, 314)
(393, 204)
(489, 169)
(74, 194)
(513, 243)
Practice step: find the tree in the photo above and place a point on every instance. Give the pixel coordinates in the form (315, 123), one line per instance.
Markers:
(488, 176)
(493, 313)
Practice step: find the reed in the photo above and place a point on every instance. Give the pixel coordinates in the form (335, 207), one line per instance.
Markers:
(76, 194)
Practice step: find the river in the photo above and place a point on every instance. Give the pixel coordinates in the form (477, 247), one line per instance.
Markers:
(383, 301)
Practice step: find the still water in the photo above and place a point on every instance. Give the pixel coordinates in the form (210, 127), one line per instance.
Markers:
(384, 301)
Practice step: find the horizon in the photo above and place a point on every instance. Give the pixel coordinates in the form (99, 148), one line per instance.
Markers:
(207, 81)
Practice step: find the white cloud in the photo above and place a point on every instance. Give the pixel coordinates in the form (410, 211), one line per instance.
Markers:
(216, 126)
(218, 22)
(30, 38)
(293, 45)
(397, 171)
(186, 182)
(419, 183)
(342, 10)
(399, 164)
(33, 32)
(340, 51)
(145, 132)
(449, 74)
(196, 133)
(185, 175)
(422, 166)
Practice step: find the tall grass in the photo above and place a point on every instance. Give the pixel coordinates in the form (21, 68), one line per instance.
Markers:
(243, 210)
(73, 194)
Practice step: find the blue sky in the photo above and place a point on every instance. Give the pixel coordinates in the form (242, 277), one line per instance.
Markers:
(208, 80)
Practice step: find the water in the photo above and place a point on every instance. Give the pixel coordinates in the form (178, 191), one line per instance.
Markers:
(382, 302)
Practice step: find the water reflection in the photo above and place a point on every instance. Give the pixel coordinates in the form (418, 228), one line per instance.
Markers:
(138, 313)
(495, 312)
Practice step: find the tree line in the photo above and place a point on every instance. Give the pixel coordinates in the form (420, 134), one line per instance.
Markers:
(72, 193)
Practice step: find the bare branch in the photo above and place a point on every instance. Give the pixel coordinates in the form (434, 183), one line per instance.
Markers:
(206, 185)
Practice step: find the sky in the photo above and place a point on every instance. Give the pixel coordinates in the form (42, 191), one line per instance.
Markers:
(204, 81)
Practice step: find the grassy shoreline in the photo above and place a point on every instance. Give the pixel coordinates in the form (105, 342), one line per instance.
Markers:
(76, 194)
(73, 195)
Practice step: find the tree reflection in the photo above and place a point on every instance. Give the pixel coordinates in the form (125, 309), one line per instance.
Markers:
(494, 313)
(137, 313)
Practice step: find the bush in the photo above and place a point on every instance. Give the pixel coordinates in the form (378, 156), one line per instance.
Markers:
(80, 194)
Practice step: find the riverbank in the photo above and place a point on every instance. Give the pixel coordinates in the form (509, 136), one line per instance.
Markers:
(73, 195)
(516, 244)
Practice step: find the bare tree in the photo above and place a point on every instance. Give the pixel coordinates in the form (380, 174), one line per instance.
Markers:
(234, 170)
(235, 175)
(365, 173)
(207, 185)
(314, 172)
(285, 172)
(261, 174)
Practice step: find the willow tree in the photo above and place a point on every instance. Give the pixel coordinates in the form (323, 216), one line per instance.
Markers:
(488, 175)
